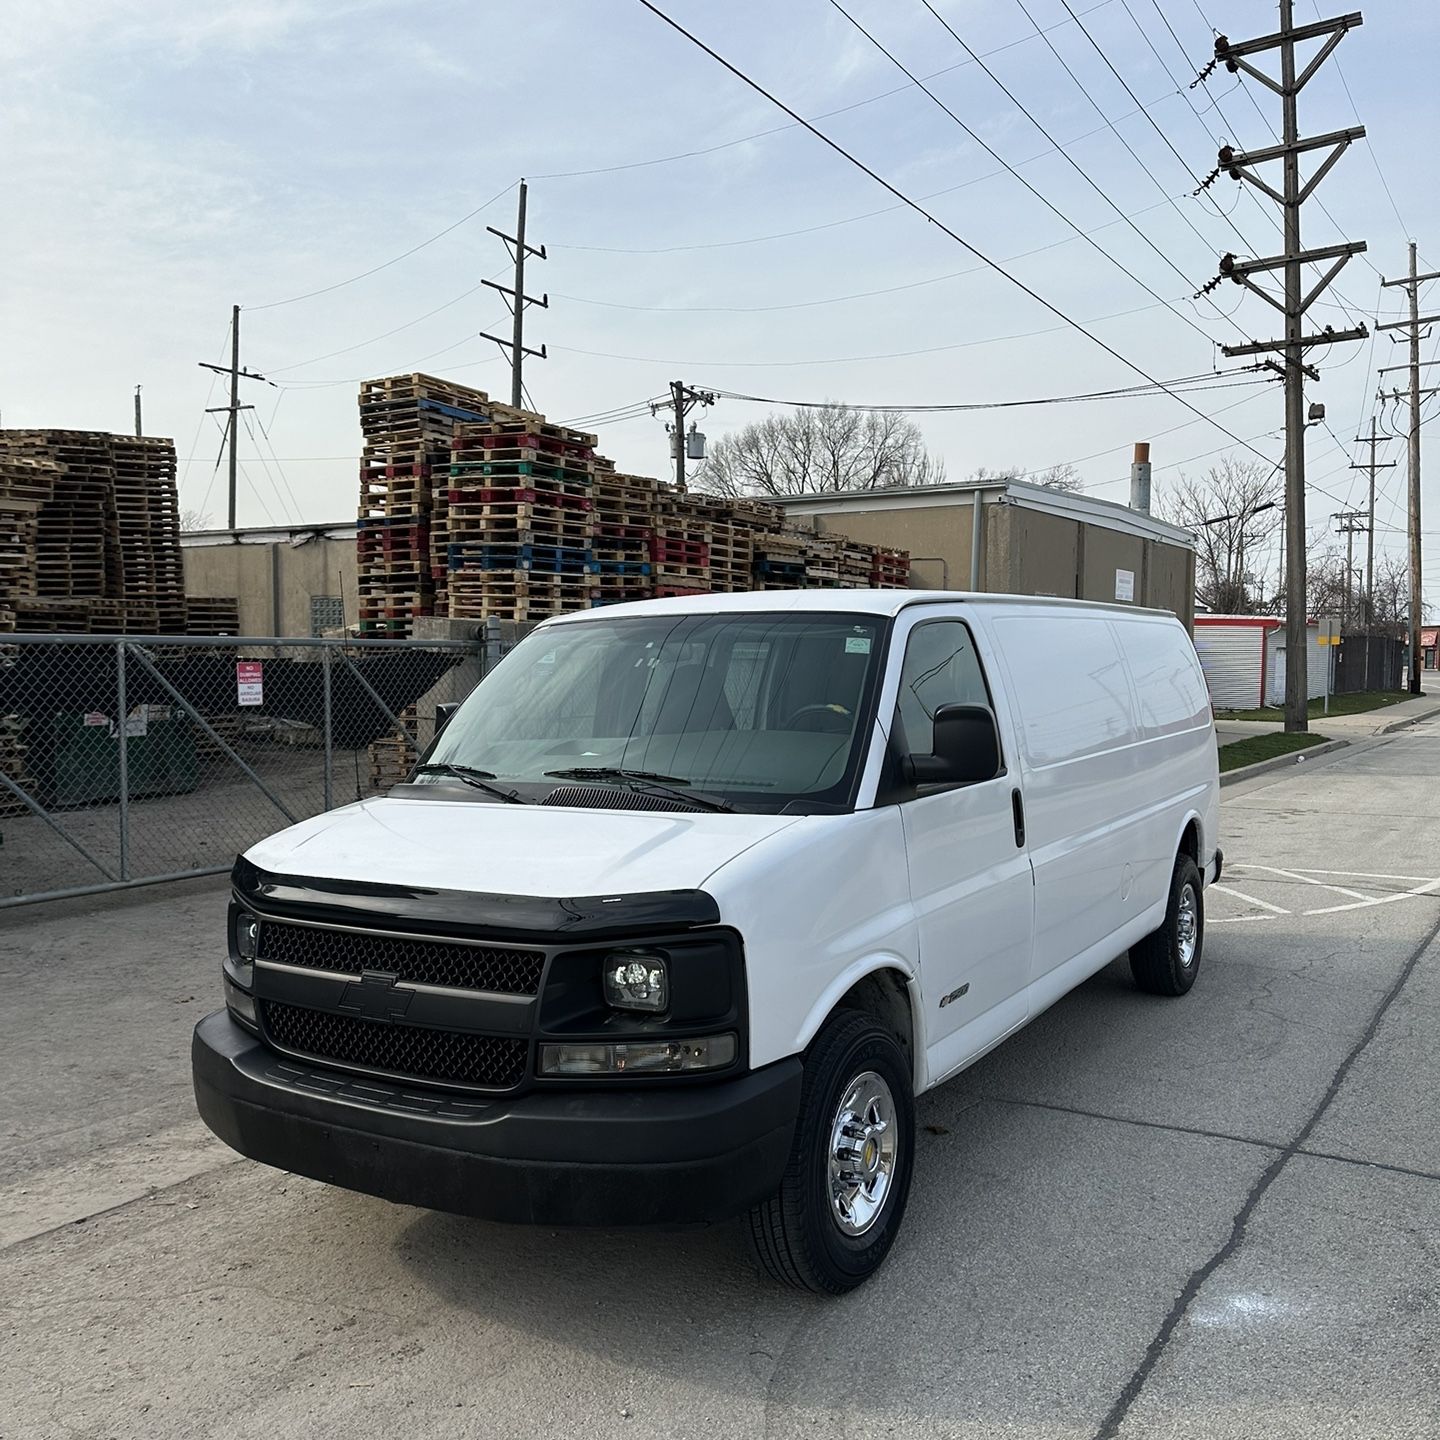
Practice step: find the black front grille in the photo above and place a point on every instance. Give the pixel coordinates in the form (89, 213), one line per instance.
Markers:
(420, 962)
(490, 1062)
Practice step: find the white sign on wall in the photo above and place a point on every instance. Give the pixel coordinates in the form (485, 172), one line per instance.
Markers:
(1124, 584)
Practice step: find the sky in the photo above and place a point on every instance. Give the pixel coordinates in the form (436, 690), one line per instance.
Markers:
(167, 160)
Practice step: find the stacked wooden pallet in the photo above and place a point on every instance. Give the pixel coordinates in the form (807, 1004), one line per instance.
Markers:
(392, 756)
(18, 523)
(105, 554)
(625, 507)
(780, 560)
(890, 569)
(407, 422)
(12, 763)
(521, 520)
(212, 615)
(152, 577)
(680, 549)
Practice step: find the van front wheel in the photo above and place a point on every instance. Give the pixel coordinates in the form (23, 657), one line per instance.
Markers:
(1167, 961)
(839, 1206)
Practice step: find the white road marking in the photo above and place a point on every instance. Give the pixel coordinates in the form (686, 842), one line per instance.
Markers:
(1236, 919)
(1424, 889)
(1343, 874)
(1307, 880)
(1251, 899)
(1419, 886)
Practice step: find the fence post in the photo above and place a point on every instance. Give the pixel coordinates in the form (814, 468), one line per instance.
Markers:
(329, 729)
(122, 706)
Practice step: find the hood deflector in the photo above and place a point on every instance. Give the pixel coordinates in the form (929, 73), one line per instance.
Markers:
(408, 907)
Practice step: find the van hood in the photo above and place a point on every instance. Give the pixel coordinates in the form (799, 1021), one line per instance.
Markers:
(547, 851)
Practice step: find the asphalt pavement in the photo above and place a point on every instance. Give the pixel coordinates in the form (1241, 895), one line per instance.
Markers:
(1211, 1217)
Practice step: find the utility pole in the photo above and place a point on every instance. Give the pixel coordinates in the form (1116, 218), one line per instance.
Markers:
(683, 399)
(1348, 523)
(233, 409)
(139, 429)
(1372, 440)
(517, 300)
(1241, 166)
(1412, 283)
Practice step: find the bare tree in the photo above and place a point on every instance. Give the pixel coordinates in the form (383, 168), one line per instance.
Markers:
(193, 520)
(1234, 510)
(820, 449)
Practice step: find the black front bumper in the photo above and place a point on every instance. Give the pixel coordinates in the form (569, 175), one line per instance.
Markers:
(662, 1155)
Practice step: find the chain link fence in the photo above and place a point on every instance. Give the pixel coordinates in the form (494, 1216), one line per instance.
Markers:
(126, 760)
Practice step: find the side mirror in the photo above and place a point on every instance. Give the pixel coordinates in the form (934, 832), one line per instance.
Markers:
(966, 748)
(444, 712)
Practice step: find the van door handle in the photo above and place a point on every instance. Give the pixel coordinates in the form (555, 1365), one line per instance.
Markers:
(1017, 805)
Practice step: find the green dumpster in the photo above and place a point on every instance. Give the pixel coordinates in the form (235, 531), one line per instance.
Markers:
(84, 756)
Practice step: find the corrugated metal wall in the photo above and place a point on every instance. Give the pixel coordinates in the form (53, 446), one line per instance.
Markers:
(1231, 657)
(1316, 668)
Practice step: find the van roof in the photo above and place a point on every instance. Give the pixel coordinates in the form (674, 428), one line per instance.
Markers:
(860, 602)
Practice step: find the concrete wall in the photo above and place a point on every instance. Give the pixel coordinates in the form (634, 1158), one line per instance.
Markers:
(942, 532)
(258, 575)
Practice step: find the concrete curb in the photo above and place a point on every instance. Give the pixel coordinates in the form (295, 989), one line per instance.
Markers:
(1261, 767)
(1408, 721)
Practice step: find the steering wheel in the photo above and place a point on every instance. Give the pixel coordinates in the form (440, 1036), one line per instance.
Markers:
(838, 715)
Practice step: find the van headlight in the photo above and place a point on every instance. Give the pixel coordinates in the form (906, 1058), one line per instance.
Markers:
(244, 946)
(637, 980)
(639, 1057)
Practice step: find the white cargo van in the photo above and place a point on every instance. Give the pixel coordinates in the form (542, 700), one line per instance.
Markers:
(692, 898)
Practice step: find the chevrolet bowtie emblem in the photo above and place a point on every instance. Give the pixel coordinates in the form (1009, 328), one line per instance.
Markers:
(374, 997)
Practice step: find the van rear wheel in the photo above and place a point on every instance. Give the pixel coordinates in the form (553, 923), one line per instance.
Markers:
(832, 1222)
(1167, 961)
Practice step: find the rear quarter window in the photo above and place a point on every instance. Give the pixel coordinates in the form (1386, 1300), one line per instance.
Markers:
(1168, 683)
(1070, 689)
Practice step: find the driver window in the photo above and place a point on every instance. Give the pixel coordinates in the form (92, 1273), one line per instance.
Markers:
(941, 668)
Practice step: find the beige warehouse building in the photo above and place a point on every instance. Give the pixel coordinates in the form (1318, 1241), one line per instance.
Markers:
(1031, 541)
(302, 579)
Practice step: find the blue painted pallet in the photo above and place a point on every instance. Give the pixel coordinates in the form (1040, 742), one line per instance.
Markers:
(784, 568)
(620, 567)
(453, 411)
(554, 558)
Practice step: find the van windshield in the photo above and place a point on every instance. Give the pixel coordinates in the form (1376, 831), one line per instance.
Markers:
(762, 711)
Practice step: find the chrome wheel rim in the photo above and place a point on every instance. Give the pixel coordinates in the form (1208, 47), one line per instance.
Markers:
(1187, 926)
(863, 1146)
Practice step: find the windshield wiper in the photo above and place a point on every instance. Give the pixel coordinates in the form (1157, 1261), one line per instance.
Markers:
(648, 779)
(471, 776)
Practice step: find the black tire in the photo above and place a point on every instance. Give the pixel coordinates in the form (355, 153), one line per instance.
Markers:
(796, 1235)
(1159, 962)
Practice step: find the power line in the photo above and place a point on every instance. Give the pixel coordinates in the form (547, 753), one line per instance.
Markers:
(1079, 170)
(856, 359)
(843, 299)
(385, 265)
(1184, 164)
(781, 129)
(848, 219)
(1189, 383)
(360, 345)
(918, 208)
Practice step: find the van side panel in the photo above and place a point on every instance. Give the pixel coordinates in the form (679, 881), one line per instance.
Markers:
(1177, 766)
(818, 910)
(1074, 711)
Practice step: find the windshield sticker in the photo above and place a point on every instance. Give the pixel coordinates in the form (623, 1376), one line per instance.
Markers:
(857, 644)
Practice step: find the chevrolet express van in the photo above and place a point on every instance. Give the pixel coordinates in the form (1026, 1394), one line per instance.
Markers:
(692, 897)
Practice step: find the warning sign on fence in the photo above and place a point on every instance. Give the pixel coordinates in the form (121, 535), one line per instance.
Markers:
(249, 682)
